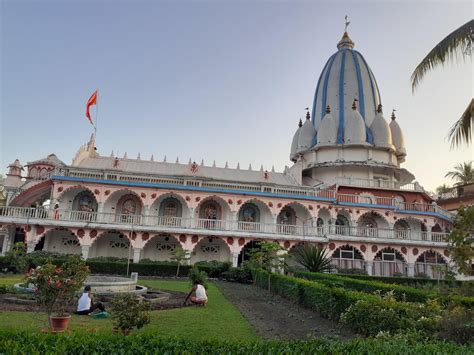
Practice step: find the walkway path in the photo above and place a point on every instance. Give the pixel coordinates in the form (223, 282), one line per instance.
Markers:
(275, 317)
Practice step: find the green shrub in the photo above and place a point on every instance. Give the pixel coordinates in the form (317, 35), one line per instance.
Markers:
(388, 315)
(457, 324)
(213, 268)
(401, 293)
(197, 276)
(409, 281)
(241, 274)
(87, 343)
(129, 312)
(353, 271)
(4, 289)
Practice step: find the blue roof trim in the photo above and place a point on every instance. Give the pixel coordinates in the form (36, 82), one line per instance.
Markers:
(370, 77)
(257, 193)
(190, 188)
(360, 85)
(325, 86)
(340, 129)
(369, 136)
(317, 91)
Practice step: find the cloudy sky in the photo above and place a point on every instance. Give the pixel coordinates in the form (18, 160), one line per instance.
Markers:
(218, 80)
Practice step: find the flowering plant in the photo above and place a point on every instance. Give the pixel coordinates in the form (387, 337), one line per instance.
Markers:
(55, 286)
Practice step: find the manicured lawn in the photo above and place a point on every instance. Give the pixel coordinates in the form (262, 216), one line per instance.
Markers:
(10, 279)
(219, 319)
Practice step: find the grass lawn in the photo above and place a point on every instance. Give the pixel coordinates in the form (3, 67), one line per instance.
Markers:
(219, 319)
(10, 279)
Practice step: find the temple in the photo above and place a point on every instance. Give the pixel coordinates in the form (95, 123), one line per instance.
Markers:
(346, 190)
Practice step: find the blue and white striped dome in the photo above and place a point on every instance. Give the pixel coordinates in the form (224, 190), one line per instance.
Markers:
(345, 77)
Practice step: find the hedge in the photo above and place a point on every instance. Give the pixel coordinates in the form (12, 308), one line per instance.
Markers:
(401, 293)
(408, 281)
(89, 343)
(333, 302)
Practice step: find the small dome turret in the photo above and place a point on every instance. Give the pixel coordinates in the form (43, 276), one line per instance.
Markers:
(354, 127)
(397, 137)
(381, 130)
(306, 136)
(294, 142)
(327, 131)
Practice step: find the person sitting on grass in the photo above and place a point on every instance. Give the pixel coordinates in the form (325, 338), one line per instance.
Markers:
(86, 304)
(198, 294)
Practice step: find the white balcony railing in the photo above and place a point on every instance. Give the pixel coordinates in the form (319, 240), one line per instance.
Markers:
(27, 215)
(378, 183)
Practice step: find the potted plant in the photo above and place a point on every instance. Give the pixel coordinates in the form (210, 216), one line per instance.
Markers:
(55, 286)
(128, 312)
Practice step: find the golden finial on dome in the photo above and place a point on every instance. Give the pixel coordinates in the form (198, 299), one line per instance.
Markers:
(393, 114)
(308, 116)
(346, 41)
(379, 108)
(300, 124)
(328, 109)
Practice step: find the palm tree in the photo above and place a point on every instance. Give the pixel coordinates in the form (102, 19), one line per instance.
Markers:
(312, 258)
(463, 173)
(443, 189)
(458, 41)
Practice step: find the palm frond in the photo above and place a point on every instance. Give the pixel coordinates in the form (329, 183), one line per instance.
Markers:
(461, 131)
(458, 41)
(313, 258)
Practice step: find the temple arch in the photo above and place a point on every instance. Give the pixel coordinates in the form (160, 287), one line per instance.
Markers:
(211, 248)
(111, 244)
(348, 257)
(370, 224)
(431, 264)
(160, 247)
(59, 240)
(389, 262)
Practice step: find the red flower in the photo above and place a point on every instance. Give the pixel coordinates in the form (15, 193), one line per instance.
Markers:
(57, 270)
(37, 290)
(58, 284)
(49, 281)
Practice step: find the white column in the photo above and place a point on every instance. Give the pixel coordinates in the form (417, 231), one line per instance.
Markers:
(188, 257)
(30, 247)
(136, 255)
(5, 243)
(235, 259)
(411, 270)
(369, 266)
(85, 251)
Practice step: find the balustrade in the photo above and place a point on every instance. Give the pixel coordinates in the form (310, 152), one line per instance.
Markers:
(219, 225)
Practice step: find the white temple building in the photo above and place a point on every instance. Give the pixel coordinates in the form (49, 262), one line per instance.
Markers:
(346, 190)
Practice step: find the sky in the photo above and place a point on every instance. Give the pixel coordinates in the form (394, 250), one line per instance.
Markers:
(217, 80)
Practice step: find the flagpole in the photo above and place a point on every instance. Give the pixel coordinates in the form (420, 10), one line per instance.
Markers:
(96, 114)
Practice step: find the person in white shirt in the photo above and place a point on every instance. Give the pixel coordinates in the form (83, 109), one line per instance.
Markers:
(86, 303)
(197, 294)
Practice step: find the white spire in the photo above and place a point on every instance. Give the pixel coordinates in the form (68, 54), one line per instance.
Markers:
(250, 166)
(125, 156)
(226, 165)
(152, 158)
(202, 162)
(138, 157)
(238, 165)
(273, 168)
(214, 164)
(177, 160)
(164, 159)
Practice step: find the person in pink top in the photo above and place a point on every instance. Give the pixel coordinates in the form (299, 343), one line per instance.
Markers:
(197, 295)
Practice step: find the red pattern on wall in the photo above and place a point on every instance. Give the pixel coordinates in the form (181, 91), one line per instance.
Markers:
(80, 233)
(107, 192)
(39, 229)
(374, 248)
(363, 248)
(153, 195)
(241, 241)
(145, 236)
(446, 252)
(97, 192)
(230, 240)
(332, 246)
(415, 251)
(182, 238)
(195, 239)
(143, 195)
(93, 233)
(286, 244)
(404, 250)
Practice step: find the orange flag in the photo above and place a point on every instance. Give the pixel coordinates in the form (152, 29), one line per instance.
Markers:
(92, 101)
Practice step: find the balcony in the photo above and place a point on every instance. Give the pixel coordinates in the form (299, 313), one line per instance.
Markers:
(378, 184)
(157, 224)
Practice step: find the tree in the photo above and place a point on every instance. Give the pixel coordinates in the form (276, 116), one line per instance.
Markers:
(442, 189)
(463, 173)
(457, 42)
(312, 258)
(179, 255)
(461, 240)
(267, 256)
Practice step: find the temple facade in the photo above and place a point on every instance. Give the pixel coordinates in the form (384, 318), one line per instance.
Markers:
(345, 190)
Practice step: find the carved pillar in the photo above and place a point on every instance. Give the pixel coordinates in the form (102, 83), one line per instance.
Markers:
(369, 266)
(6, 238)
(411, 270)
(85, 251)
(136, 255)
(188, 257)
(235, 259)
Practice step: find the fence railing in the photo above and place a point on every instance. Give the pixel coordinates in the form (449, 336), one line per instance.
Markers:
(378, 183)
(218, 225)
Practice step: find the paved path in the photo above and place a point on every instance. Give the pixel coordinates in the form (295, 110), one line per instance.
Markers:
(274, 317)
